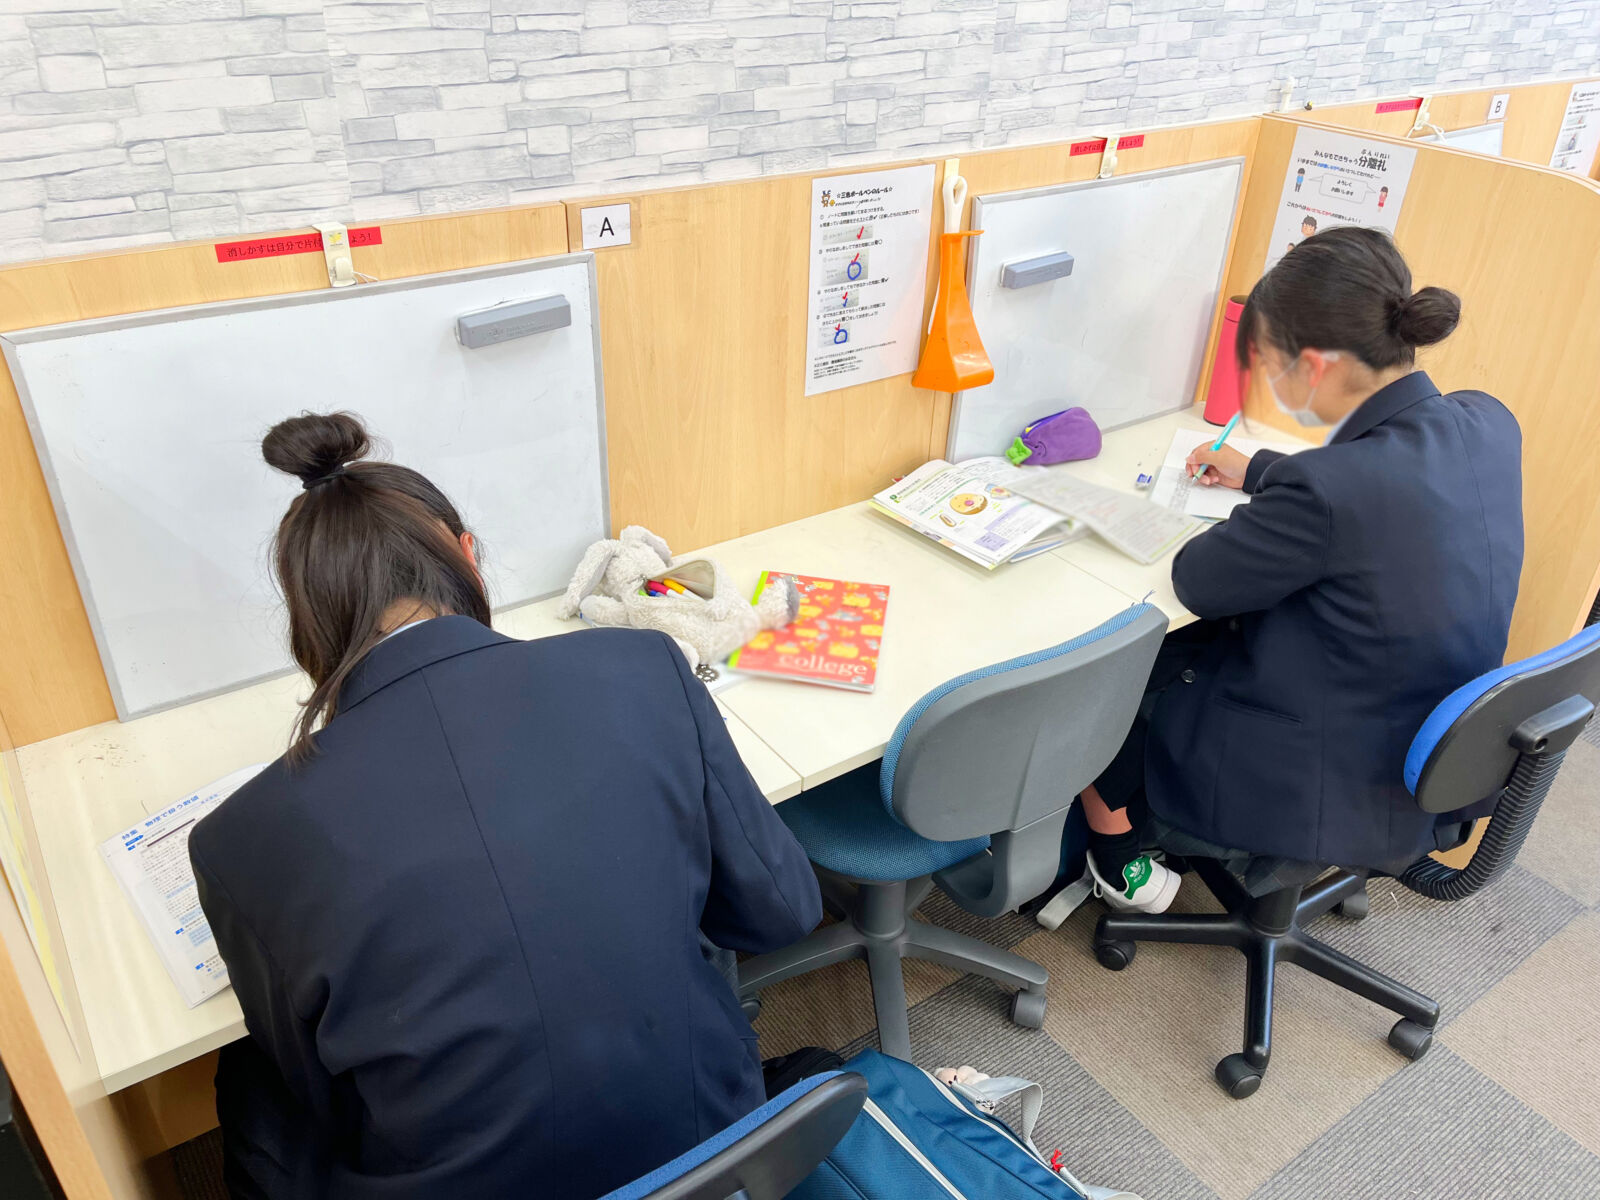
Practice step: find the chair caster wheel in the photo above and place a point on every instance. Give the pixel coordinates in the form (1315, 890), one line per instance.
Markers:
(1410, 1038)
(1354, 907)
(1027, 1009)
(1114, 956)
(1238, 1076)
(752, 1008)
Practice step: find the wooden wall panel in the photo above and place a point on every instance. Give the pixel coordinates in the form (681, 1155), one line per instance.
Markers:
(1502, 236)
(54, 681)
(1532, 117)
(703, 336)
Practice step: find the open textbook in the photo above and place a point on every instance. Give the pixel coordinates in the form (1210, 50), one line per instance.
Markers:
(1175, 489)
(972, 508)
(151, 862)
(1125, 521)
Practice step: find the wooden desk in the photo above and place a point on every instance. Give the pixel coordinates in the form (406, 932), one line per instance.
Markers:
(945, 617)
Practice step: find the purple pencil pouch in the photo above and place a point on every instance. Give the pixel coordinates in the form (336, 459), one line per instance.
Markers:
(1061, 437)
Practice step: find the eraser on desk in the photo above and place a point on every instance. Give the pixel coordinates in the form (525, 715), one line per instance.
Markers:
(1144, 481)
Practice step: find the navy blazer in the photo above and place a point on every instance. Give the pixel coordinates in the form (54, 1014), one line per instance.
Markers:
(467, 931)
(1364, 581)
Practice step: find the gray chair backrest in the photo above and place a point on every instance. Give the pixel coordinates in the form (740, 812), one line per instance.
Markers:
(1001, 748)
(768, 1153)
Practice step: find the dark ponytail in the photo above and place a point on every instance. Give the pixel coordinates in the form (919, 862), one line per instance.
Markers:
(360, 537)
(1346, 289)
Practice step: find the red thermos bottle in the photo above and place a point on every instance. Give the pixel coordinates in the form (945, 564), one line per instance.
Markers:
(1226, 392)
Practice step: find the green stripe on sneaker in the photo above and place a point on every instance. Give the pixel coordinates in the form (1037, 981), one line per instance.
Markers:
(1136, 874)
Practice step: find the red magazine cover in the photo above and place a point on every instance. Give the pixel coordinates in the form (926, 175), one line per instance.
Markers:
(833, 641)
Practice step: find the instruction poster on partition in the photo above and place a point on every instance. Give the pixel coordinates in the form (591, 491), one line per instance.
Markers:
(1579, 137)
(1339, 179)
(868, 276)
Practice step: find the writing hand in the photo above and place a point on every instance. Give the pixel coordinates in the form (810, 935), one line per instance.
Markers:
(1227, 466)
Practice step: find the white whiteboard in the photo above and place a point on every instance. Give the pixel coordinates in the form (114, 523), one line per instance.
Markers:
(1485, 139)
(1124, 335)
(149, 431)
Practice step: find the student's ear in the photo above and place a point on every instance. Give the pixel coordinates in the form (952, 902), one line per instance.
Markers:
(469, 547)
(1317, 364)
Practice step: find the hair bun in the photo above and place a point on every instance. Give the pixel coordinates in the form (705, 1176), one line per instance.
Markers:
(313, 446)
(1426, 317)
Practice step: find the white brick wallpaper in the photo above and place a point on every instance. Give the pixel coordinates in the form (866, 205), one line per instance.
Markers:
(132, 121)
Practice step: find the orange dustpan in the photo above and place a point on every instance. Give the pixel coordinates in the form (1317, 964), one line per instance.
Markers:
(953, 357)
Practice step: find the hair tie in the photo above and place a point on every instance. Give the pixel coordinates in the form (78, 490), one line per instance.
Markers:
(336, 473)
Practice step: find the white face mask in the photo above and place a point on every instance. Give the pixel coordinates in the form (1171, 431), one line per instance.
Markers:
(1306, 415)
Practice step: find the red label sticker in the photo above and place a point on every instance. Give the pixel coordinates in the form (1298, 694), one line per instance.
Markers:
(291, 243)
(1097, 145)
(1389, 106)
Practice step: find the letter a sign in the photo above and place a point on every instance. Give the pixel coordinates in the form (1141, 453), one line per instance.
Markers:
(606, 226)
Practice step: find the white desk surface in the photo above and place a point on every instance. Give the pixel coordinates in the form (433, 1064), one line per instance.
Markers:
(945, 617)
(86, 786)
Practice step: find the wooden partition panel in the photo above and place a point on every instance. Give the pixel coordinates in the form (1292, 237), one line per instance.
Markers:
(703, 328)
(1504, 237)
(53, 681)
(45, 1047)
(703, 333)
(1532, 118)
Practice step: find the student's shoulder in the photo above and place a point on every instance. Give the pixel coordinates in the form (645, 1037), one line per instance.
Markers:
(619, 656)
(1480, 410)
(249, 817)
(647, 646)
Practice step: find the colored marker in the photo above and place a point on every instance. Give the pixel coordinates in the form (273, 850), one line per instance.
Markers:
(655, 589)
(1217, 445)
(676, 586)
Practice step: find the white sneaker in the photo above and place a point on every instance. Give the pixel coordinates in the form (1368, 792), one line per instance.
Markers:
(1147, 886)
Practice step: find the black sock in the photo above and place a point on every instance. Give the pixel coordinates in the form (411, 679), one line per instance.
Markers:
(1112, 852)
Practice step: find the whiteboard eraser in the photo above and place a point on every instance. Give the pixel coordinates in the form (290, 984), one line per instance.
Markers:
(1028, 271)
(504, 322)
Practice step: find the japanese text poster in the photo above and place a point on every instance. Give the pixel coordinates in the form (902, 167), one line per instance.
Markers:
(1339, 179)
(1579, 136)
(868, 276)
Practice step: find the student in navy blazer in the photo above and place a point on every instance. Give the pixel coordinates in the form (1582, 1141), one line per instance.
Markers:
(1364, 581)
(464, 919)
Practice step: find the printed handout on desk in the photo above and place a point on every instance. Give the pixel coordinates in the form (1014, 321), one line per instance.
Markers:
(151, 862)
(1175, 489)
(868, 276)
(1579, 136)
(1339, 179)
(1141, 530)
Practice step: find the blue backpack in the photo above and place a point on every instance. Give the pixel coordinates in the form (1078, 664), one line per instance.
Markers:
(917, 1139)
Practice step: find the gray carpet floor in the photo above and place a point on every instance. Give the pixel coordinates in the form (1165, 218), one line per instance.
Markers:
(1506, 1106)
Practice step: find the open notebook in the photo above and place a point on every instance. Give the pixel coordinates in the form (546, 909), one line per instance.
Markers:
(1175, 489)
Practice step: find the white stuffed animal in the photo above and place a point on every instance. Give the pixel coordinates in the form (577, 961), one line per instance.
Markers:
(709, 621)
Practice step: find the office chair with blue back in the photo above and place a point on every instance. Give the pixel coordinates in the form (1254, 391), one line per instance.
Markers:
(973, 794)
(765, 1155)
(1503, 735)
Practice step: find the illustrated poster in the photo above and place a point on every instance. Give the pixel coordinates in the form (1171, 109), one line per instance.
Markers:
(868, 276)
(1579, 136)
(1339, 179)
